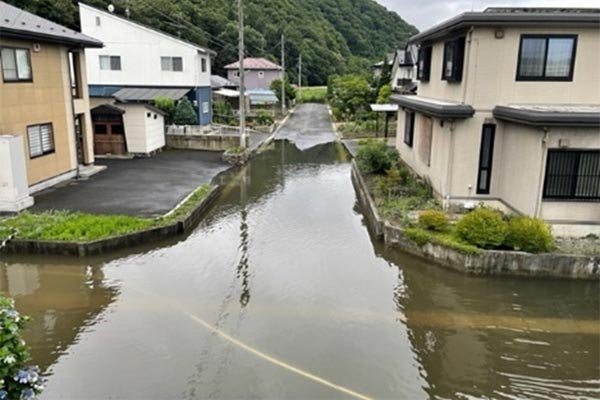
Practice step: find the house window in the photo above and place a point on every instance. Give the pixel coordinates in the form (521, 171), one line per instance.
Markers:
(16, 65)
(486, 156)
(171, 64)
(148, 115)
(97, 21)
(409, 128)
(74, 74)
(261, 74)
(203, 62)
(572, 175)
(41, 140)
(546, 57)
(424, 65)
(452, 68)
(110, 63)
(236, 74)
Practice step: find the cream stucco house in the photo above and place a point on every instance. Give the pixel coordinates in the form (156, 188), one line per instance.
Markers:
(508, 113)
(45, 124)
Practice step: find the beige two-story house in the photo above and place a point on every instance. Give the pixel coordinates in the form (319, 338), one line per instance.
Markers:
(508, 113)
(44, 102)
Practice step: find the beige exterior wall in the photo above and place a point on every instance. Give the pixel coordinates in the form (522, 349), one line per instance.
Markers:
(47, 99)
(490, 69)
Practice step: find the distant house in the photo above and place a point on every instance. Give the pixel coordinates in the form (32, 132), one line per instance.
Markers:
(404, 71)
(259, 73)
(508, 113)
(45, 124)
(377, 68)
(138, 64)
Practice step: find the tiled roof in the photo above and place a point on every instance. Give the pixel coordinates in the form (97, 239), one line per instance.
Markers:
(255, 63)
(217, 82)
(20, 24)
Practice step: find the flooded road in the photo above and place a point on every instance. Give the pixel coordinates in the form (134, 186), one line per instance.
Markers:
(282, 293)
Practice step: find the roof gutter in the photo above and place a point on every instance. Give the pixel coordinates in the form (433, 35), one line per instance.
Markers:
(547, 118)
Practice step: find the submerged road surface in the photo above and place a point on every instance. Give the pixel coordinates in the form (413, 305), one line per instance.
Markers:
(281, 293)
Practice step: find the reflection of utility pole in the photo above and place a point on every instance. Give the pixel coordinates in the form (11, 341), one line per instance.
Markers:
(243, 138)
(282, 74)
(242, 268)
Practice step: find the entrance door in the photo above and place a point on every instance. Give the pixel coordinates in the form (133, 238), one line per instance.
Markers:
(109, 132)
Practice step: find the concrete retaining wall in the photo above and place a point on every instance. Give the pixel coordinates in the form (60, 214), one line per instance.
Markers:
(490, 262)
(203, 142)
(82, 249)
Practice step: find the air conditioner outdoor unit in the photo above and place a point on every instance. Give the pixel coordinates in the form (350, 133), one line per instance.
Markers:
(14, 189)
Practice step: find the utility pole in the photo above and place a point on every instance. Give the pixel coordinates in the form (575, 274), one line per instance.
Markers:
(243, 138)
(299, 77)
(282, 74)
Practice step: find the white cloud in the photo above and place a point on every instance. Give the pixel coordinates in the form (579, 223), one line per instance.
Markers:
(426, 13)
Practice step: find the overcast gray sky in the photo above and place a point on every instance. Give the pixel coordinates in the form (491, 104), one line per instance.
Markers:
(425, 13)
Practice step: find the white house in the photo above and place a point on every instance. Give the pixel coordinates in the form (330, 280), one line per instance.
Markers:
(404, 70)
(139, 63)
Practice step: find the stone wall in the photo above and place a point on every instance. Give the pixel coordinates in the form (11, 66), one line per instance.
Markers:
(490, 262)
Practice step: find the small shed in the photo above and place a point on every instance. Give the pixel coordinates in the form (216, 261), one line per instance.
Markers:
(144, 127)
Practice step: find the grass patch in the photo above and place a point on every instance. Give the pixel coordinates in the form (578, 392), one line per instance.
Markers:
(314, 94)
(446, 238)
(84, 227)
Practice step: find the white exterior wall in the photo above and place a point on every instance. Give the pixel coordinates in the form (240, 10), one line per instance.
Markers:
(140, 49)
(143, 134)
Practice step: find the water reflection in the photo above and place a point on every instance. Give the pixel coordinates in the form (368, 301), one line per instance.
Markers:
(61, 297)
(499, 338)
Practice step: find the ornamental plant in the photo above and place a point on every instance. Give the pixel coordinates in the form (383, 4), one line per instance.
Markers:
(375, 157)
(529, 234)
(184, 113)
(482, 227)
(433, 220)
(17, 381)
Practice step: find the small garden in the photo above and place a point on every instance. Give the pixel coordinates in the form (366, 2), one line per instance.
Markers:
(350, 97)
(84, 227)
(405, 200)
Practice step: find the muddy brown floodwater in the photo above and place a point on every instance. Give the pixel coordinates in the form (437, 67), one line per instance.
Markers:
(282, 293)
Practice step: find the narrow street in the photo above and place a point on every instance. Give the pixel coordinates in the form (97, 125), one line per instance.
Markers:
(281, 293)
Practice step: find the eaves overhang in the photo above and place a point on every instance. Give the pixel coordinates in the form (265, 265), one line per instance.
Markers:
(433, 108)
(535, 117)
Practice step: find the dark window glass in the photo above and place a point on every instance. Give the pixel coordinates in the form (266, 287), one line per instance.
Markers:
(115, 63)
(486, 156)
(424, 65)
(100, 129)
(572, 175)
(117, 129)
(41, 140)
(452, 68)
(177, 64)
(204, 65)
(409, 128)
(545, 57)
(16, 65)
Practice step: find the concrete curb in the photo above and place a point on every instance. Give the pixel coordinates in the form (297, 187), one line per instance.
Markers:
(490, 262)
(84, 249)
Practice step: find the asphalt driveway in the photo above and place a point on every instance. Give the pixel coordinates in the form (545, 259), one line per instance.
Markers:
(140, 187)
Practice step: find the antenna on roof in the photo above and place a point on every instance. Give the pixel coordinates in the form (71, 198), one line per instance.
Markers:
(111, 8)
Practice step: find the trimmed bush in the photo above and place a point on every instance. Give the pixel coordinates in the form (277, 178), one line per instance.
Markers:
(433, 220)
(375, 157)
(482, 227)
(529, 234)
(184, 113)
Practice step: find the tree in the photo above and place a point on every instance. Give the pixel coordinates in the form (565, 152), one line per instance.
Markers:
(386, 74)
(17, 380)
(184, 113)
(290, 92)
(384, 94)
(350, 96)
(167, 105)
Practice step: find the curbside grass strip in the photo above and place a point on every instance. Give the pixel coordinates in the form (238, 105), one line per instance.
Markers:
(488, 262)
(102, 246)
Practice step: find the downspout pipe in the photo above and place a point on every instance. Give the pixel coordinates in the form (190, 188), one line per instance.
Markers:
(538, 201)
(69, 50)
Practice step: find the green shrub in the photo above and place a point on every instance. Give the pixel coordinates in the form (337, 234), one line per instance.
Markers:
(17, 380)
(482, 227)
(389, 185)
(384, 94)
(264, 118)
(184, 113)
(375, 157)
(167, 105)
(529, 234)
(290, 91)
(433, 220)
(223, 113)
(422, 237)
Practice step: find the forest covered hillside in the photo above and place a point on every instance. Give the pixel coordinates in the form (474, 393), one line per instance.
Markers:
(334, 36)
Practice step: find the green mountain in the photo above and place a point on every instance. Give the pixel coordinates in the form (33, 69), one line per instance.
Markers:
(334, 36)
